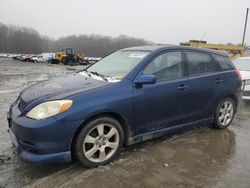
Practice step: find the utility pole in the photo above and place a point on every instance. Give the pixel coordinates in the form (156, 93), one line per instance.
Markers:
(245, 28)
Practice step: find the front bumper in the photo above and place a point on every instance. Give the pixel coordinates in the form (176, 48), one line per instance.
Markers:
(36, 158)
(246, 91)
(246, 95)
(41, 141)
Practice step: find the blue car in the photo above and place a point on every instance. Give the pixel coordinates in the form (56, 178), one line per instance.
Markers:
(130, 96)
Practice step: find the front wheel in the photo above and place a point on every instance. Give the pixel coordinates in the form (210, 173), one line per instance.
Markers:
(224, 113)
(99, 142)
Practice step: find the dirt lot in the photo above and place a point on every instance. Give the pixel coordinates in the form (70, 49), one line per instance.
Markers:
(202, 157)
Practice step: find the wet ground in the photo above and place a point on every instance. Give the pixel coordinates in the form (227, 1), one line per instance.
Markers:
(201, 157)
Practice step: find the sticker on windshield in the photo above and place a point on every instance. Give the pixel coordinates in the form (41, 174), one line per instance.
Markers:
(134, 55)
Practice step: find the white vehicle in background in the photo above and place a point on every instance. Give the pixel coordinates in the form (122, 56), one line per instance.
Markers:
(5, 55)
(47, 56)
(44, 57)
(38, 58)
(243, 65)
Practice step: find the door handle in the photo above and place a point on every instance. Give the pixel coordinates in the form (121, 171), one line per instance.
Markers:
(218, 81)
(182, 87)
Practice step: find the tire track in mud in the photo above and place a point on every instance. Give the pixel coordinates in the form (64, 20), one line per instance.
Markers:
(76, 174)
(55, 180)
(130, 164)
(2, 132)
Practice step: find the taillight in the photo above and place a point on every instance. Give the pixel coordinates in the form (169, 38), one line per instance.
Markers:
(238, 74)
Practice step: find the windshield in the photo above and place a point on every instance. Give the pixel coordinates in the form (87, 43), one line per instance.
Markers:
(118, 64)
(242, 64)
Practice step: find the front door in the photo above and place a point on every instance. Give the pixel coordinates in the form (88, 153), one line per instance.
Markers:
(162, 104)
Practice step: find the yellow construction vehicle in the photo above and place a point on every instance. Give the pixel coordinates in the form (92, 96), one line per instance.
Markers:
(232, 50)
(72, 58)
(59, 56)
(68, 57)
(80, 57)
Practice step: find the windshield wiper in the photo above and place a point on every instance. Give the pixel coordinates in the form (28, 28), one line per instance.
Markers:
(87, 72)
(100, 75)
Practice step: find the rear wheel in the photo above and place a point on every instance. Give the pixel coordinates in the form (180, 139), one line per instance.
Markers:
(224, 113)
(99, 142)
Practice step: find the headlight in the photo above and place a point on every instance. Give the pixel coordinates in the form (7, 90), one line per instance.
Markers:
(48, 109)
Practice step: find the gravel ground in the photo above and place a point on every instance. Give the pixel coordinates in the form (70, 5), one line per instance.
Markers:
(201, 157)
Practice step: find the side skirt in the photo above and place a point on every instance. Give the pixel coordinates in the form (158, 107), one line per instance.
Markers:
(168, 130)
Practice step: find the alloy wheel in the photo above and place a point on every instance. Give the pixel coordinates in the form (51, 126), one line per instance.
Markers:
(226, 113)
(101, 143)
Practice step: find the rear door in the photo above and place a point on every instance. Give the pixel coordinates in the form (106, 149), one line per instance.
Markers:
(231, 79)
(205, 85)
(162, 104)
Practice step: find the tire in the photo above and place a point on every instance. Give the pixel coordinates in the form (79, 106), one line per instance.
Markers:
(224, 113)
(65, 62)
(95, 145)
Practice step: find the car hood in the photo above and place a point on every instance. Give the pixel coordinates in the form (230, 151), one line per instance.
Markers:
(60, 87)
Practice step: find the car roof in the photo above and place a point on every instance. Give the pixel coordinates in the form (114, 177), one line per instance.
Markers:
(151, 48)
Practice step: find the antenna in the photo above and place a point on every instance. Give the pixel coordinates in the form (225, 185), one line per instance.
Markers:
(203, 36)
(245, 28)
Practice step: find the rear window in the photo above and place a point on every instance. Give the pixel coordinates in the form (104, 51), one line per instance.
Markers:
(224, 62)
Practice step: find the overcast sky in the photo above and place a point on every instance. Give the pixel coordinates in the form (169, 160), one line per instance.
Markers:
(160, 21)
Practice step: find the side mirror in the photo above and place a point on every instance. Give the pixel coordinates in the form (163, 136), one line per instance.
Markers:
(145, 79)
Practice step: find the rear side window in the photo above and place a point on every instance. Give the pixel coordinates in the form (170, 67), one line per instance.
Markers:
(224, 62)
(199, 63)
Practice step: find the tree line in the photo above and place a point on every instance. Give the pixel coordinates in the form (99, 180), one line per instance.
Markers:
(14, 39)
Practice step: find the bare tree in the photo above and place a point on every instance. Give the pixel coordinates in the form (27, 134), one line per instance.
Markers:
(97, 45)
(26, 40)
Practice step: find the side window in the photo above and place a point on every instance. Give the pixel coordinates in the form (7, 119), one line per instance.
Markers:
(166, 66)
(224, 62)
(199, 63)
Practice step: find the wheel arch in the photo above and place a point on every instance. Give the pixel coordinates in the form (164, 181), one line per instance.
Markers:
(231, 96)
(234, 98)
(118, 117)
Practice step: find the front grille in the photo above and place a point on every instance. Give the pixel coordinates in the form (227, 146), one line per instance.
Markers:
(246, 93)
(21, 104)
